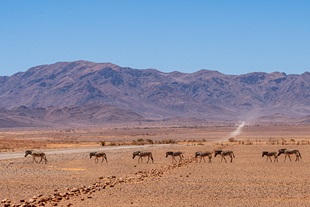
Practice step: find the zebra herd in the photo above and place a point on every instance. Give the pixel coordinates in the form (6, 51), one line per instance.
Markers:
(286, 152)
(179, 154)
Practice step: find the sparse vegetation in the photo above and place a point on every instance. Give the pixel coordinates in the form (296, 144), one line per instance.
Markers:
(232, 139)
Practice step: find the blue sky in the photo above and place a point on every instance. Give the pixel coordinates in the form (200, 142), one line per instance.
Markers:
(232, 37)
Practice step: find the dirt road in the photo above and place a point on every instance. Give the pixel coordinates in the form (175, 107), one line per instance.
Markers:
(15, 155)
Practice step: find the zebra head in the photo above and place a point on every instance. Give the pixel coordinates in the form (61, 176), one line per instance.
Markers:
(217, 152)
(134, 154)
(264, 153)
(281, 151)
(92, 154)
(197, 154)
(169, 153)
(28, 152)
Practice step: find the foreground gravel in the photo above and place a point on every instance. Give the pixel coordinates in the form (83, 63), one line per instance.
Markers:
(75, 180)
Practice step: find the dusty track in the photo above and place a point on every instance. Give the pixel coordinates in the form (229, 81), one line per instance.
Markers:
(15, 155)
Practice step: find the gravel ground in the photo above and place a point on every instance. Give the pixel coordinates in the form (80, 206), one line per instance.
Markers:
(248, 181)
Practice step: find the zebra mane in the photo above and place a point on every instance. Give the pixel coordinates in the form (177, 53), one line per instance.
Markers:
(92, 154)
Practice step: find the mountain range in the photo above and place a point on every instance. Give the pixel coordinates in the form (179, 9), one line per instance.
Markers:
(83, 92)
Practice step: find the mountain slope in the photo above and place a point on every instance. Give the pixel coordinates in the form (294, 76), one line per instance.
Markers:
(153, 94)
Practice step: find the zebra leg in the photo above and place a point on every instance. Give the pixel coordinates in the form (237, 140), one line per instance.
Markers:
(224, 159)
(203, 159)
(270, 158)
(231, 158)
(289, 156)
(36, 160)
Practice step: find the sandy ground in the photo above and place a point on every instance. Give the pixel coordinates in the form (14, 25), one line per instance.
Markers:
(248, 181)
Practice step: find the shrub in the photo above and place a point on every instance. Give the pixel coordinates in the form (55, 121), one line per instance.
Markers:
(232, 139)
(150, 141)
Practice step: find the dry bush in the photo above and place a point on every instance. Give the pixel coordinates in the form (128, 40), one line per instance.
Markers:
(142, 142)
(112, 144)
(232, 139)
(150, 141)
(249, 143)
(272, 141)
(169, 141)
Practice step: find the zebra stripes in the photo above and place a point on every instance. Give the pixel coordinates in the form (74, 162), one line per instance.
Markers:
(36, 154)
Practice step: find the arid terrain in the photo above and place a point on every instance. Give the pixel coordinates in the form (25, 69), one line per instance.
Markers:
(71, 178)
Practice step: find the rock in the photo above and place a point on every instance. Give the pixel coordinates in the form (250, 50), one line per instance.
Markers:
(31, 200)
(107, 183)
(4, 200)
(42, 199)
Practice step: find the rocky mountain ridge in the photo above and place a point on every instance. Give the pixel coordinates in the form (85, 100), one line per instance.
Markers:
(149, 94)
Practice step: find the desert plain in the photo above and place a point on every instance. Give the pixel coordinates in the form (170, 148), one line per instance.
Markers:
(71, 178)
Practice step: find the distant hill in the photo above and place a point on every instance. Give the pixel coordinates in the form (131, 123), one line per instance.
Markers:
(87, 93)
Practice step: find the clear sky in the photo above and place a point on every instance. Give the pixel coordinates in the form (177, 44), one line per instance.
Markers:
(230, 36)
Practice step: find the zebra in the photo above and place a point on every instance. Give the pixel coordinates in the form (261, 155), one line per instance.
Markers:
(288, 154)
(174, 154)
(36, 154)
(269, 155)
(97, 155)
(143, 154)
(202, 155)
(136, 153)
(225, 153)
